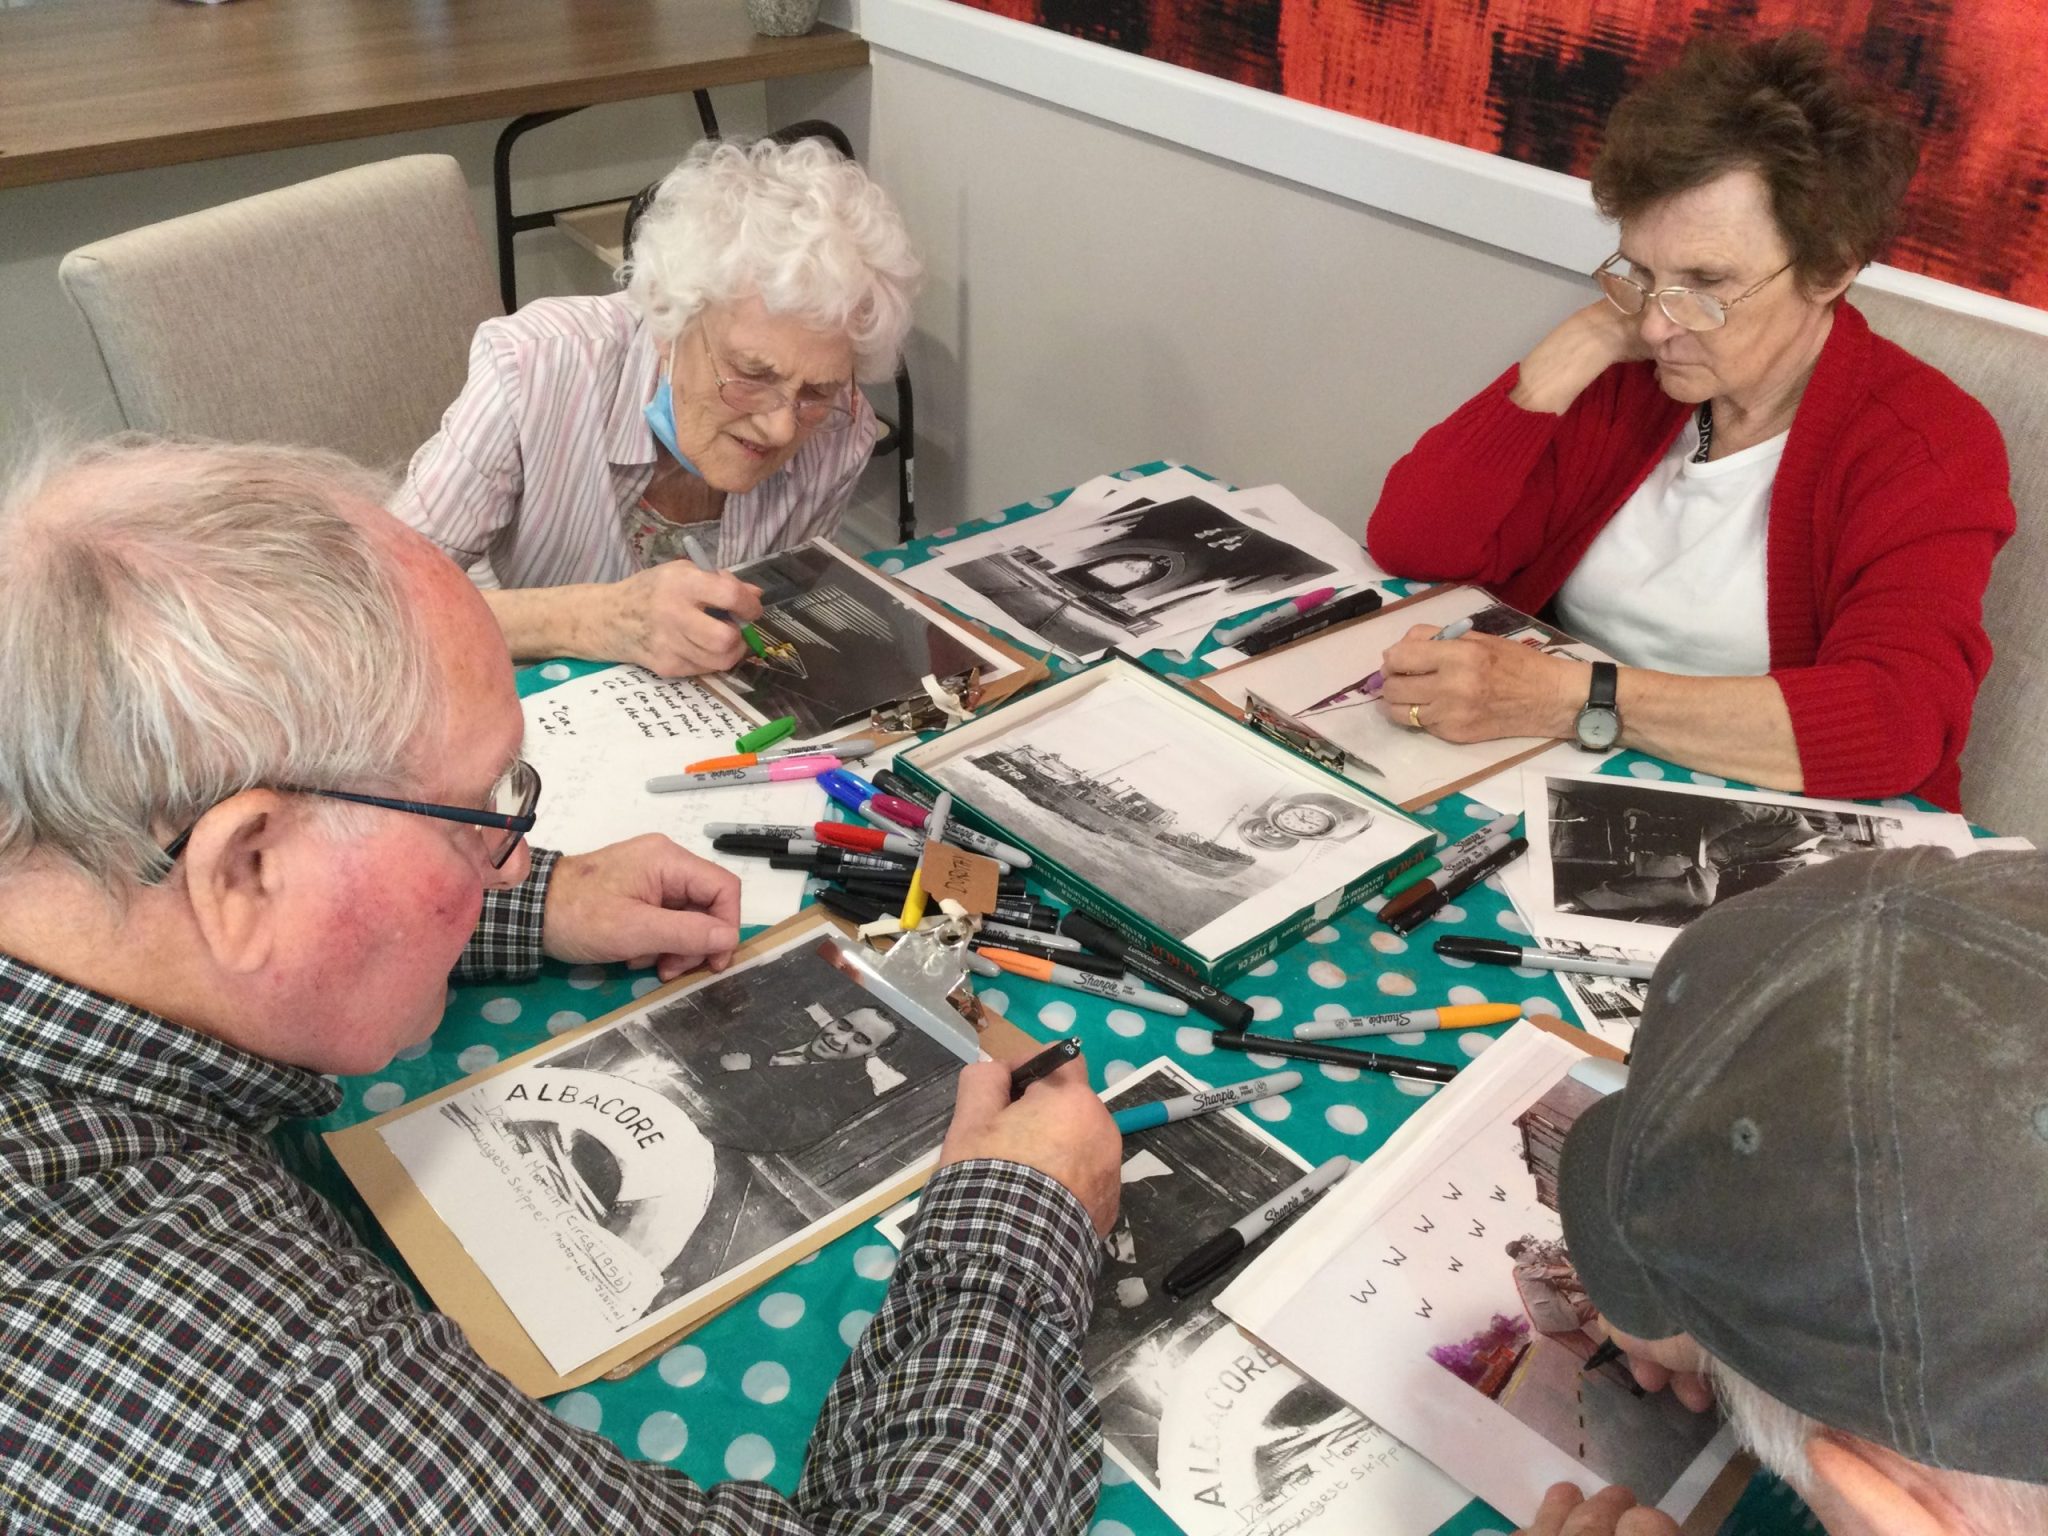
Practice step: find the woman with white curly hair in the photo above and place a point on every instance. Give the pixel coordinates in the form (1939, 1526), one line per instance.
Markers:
(712, 407)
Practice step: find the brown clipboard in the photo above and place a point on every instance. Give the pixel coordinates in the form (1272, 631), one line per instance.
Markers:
(1031, 670)
(1201, 689)
(459, 1287)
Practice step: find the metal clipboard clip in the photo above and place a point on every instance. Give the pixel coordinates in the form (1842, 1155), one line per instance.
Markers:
(924, 978)
(942, 702)
(1270, 720)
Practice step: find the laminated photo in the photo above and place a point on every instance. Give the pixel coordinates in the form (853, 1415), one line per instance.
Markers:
(608, 1183)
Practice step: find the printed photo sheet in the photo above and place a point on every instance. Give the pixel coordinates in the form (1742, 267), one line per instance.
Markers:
(1174, 811)
(1323, 683)
(1626, 861)
(1224, 1435)
(599, 739)
(1434, 1294)
(1139, 565)
(609, 1183)
(854, 641)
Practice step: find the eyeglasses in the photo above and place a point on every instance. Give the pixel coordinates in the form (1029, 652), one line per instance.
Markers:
(1687, 307)
(512, 801)
(751, 397)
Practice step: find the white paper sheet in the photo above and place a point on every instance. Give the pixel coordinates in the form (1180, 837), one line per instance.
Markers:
(1401, 1295)
(1097, 571)
(599, 739)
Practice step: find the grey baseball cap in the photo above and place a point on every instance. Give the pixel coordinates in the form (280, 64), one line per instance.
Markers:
(1830, 1164)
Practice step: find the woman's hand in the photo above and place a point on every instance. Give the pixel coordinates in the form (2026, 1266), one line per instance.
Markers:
(1585, 344)
(656, 619)
(1480, 687)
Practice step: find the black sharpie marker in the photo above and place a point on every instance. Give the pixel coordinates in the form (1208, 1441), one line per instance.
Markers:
(1221, 1251)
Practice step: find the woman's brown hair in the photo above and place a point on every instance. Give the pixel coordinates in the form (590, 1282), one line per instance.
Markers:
(1835, 159)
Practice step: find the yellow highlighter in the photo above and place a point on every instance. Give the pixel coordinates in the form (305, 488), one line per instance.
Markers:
(1450, 1016)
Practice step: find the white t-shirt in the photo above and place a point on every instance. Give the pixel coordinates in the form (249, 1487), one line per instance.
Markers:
(1676, 580)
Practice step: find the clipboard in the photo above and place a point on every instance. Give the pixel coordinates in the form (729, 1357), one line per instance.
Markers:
(458, 1284)
(1222, 688)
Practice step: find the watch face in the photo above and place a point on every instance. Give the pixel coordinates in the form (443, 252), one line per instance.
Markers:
(1598, 728)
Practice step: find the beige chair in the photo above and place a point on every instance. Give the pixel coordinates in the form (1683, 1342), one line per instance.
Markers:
(337, 312)
(2005, 765)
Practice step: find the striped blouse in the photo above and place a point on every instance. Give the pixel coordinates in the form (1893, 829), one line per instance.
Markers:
(545, 452)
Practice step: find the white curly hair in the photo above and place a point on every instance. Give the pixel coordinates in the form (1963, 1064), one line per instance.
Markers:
(797, 224)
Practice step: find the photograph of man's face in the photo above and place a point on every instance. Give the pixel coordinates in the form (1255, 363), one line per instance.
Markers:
(859, 1033)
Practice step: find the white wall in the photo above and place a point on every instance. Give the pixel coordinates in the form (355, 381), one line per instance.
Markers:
(48, 369)
(1098, 297)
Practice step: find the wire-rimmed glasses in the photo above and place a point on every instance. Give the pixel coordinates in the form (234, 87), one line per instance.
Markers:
(1689, 308)
(755, 397)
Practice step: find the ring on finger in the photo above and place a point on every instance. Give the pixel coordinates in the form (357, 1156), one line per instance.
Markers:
(1414, 717)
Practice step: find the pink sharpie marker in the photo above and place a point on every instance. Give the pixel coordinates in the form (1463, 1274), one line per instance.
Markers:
(759, 773)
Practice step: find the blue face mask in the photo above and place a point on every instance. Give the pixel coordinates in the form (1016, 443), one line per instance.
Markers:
(661, 417)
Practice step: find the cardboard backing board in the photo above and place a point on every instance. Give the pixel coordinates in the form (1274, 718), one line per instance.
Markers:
(1135, 818)
(1225, 687)
(459, 1287)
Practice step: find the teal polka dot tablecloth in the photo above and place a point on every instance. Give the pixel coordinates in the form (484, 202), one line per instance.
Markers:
(737, 1398)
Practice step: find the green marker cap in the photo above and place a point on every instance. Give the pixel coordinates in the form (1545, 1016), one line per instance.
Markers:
(766, 735)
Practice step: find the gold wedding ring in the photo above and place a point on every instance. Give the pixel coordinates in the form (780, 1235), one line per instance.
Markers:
(1414, 717)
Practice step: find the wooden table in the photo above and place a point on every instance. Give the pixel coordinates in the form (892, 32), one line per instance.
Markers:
(93, 86)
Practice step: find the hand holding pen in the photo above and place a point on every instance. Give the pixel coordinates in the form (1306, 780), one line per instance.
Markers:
(676, 620)
(777, 653)
(1482, 688)
(1058, 1127)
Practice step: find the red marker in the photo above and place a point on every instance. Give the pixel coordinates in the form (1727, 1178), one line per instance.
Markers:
(841, 834)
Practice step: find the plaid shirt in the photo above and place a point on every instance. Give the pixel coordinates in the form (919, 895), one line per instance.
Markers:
(193, 1340)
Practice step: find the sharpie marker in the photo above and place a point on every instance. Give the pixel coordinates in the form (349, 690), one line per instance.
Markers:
(1104, 940)
(1027, 943)
(845, 751)
(996, 933)
(842, 834)
(1416, 913)
(1459, 946)
(1044, 1064)
(1454, 1016)
(1143, 1117)
(1465, 848)
(1221, 1251)
(894, 784)
(1286, 613)
(846, 787)
(756, 829)
(1350, 606)
(760, 773)
(1451, 631)
(1335, 1055)
(766, 734)
(1127, 992)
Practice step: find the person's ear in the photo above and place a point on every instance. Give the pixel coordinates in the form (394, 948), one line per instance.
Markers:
(1854, 1494)
(234, 878)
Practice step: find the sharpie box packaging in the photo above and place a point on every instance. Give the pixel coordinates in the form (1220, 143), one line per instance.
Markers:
(1209, 843)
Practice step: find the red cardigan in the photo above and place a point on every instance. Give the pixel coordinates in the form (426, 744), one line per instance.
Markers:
(1889, 504)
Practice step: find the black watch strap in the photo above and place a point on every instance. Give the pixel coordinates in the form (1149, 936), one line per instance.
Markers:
(1606, 683)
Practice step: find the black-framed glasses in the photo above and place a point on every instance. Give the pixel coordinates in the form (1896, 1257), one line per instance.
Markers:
(753, 397)
(513, 799)
(1687, 307)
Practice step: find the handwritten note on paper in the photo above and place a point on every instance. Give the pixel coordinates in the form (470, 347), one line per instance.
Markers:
(598, 740)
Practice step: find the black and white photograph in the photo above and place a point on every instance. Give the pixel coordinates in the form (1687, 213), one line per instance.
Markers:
(1221, 1431)
(840, 641)
(1123, 580)
(1172, 810)
(608, 1182)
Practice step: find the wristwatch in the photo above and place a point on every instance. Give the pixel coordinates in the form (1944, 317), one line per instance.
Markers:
(1599, 723)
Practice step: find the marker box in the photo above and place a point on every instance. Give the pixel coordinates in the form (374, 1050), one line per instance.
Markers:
(1204, 842)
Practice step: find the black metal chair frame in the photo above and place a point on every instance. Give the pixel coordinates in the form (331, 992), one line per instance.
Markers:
(898, 436)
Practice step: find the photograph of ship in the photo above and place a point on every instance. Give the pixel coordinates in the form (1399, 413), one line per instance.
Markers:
(842, 641)
(1172, 817)
(1137, 575)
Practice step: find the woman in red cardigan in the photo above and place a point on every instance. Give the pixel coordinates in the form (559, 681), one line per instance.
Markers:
(1780, 523)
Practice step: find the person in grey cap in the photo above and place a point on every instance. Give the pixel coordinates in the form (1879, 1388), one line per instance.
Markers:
(1824, 1192)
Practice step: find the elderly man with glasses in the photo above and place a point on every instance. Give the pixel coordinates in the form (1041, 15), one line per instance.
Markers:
(259, 794)
(1778, 523)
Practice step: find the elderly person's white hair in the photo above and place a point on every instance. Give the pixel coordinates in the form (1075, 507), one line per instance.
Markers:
(1777, 1435)
(798, 225)
(183, 621)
